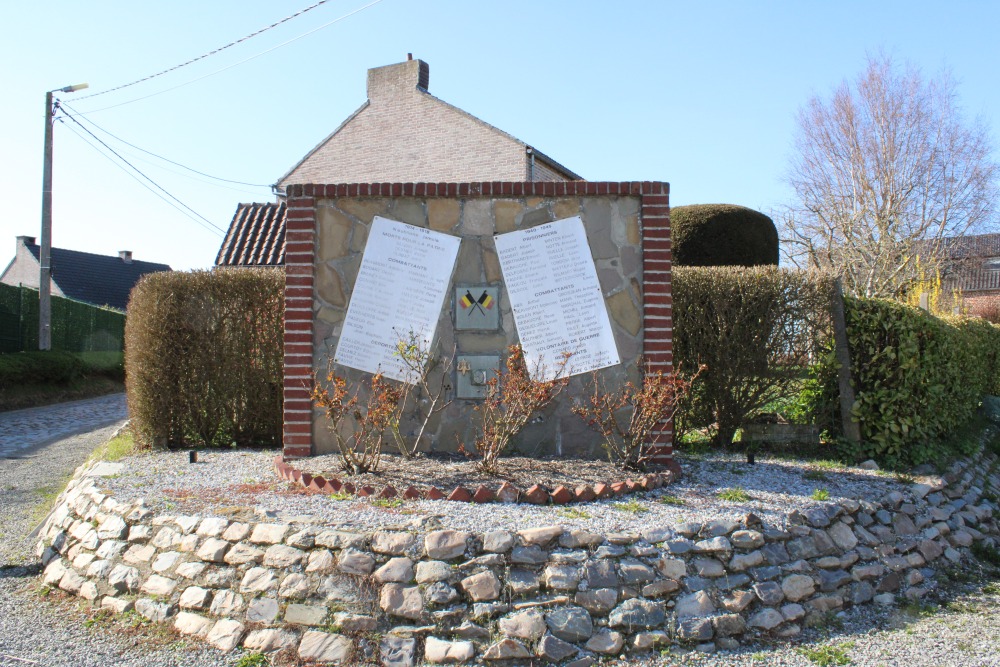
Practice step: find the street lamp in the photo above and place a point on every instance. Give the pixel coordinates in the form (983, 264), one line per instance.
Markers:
(44, 256)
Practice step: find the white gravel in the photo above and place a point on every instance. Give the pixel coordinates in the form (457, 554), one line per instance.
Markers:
(223, 480)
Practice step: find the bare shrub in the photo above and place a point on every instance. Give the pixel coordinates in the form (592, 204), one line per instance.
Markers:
(629, 416)
(512, 397)
(359, 428)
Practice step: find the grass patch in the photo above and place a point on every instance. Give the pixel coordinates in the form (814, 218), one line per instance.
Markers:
(814, 475)
(671, 500)
(963, 607)
(820, 494)
(388, 503)
(986, 553)
(733, 495)
(100, 617)
(47, 496)
(116, 448)
(919, 609)
(573, 513)
(340, 495)
(828, 654)
(255, 659)
(632, 507)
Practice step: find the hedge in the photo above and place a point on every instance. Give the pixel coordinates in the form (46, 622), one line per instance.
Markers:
(722, 235)
(49, 367)
(203, 357)
(754, 329)
(917, 377)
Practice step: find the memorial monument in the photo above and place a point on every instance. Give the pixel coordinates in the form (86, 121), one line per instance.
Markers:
(579, 269)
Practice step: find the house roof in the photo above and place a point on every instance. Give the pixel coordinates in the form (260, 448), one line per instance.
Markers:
(101, 280)
(256, 236)
(964, 247)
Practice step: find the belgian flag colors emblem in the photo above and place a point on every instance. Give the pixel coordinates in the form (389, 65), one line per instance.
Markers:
(484, 301)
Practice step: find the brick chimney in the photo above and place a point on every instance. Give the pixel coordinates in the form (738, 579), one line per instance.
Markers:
(26, 240)
(392, 80)
(125, 255)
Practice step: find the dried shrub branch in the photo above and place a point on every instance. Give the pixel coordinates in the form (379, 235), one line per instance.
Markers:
(512, 397)
(629, 415)
(359, 427)
(419, 397)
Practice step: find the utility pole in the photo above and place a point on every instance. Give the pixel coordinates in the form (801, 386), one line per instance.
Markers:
(45, 253)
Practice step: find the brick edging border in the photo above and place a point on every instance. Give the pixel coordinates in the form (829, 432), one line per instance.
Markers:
(300, 253)
(505, 493)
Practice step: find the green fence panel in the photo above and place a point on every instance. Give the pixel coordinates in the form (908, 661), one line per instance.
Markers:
(76, 326)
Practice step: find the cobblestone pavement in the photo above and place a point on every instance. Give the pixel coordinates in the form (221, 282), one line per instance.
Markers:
(20, 429)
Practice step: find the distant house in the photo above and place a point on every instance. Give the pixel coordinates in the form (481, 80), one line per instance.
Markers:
(401, 133)
(972, 267)
(100, 280)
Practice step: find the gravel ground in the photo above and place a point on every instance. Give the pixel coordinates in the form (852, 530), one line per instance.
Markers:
(224, 480)
(961, 628)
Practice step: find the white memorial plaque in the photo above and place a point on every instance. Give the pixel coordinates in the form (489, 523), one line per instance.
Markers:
(404, 277)
(556, 297)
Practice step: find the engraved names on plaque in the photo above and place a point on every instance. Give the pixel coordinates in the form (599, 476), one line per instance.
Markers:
(556, 298)
(401, 285)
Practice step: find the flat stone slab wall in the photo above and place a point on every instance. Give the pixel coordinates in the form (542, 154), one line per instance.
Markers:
(628, 232)
(566, 596)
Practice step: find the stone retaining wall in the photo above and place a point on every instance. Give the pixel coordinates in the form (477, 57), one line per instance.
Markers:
(563, 595)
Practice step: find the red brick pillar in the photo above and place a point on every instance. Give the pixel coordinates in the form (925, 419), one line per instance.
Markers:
(657, 320)
(300, 237)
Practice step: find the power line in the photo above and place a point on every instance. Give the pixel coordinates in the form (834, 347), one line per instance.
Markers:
(131, 175)
(228, 67)
(138, 171)
(76, 114)
(210, 53)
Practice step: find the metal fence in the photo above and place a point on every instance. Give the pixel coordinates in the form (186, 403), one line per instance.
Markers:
(76, 326)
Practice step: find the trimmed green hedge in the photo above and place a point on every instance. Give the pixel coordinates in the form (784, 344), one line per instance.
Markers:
(917, 377)
(755, 330)
(203, 357)
(722, 235)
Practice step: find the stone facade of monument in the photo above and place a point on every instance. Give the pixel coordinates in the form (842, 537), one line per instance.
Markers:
(627, 226)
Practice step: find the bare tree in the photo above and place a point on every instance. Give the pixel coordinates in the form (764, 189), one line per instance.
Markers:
(883, 171)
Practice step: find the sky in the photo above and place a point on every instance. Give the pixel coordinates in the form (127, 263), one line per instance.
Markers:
(702, 95)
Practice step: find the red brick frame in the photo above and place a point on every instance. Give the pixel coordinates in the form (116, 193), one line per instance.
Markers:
(300, 252)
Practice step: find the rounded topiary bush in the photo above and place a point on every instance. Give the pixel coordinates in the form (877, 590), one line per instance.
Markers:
(722, 235)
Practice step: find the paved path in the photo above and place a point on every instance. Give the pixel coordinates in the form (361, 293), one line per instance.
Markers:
(20, 429)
